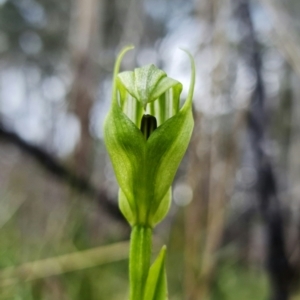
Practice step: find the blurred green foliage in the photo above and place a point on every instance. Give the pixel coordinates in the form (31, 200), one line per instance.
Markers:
(235, 282)
(109, 281)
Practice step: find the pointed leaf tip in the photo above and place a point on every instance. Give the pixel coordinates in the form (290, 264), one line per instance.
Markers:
(116, 71)
(156, 285)
(189, 98)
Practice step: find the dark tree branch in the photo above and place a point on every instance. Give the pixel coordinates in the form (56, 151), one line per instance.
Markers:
(279, 269)
(78, 183)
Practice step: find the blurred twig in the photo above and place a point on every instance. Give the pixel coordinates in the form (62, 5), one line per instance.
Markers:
(85, 31)
(77, 182)
(214, 151)
(278, 266)
(64, 263)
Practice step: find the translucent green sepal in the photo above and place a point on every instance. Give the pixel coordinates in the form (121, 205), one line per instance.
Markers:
(161, 211)
(147, 83)
(126, 208)
(156, 217)
(156, 284)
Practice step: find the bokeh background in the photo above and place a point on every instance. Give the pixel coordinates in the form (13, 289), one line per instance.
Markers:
(233, 231)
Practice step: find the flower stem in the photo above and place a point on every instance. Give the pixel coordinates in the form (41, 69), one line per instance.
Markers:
(139, 260)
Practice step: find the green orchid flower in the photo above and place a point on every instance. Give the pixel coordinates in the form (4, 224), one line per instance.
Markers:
(146, 135)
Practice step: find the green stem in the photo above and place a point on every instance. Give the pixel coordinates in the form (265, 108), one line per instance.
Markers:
(139, 260)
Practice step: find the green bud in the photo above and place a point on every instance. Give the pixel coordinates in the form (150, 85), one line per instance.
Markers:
(145, 156)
